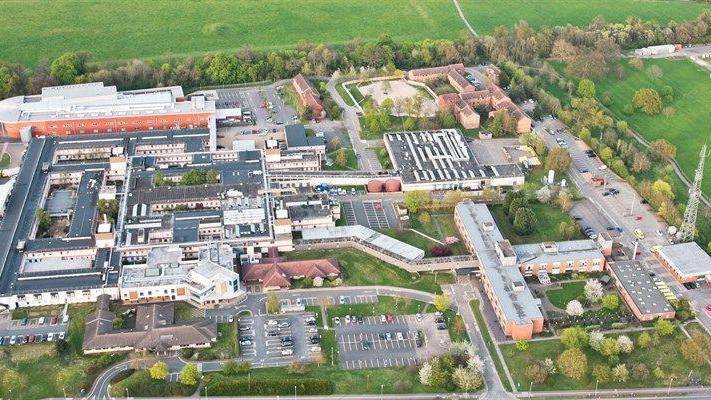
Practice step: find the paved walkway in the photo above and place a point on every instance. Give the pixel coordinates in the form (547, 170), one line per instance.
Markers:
(463, 18)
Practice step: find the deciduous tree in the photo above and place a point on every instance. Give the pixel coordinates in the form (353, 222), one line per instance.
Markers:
(573, 363)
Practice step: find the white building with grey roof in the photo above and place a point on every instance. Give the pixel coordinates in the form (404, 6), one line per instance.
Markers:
(687, 262)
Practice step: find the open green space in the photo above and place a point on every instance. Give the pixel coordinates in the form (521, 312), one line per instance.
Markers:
(361, 269)
(489, 343)
(226, 346)
(385, 305)
(549, 218)
(486, 15)
(567, 292)
(440, 227)
(687, 128)
(383, 157)
(140, 383)
(35, 371)
(350, 164)
(35, 29)
(664, 355)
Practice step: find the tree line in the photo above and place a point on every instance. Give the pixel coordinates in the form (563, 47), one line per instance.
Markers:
(586, 49)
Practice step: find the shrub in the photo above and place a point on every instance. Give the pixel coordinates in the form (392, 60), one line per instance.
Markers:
(611, 301)
(441, 250)
(522, 345)
(536, 373)
(620, 373)
(271, 387)
(640, 372)
(602, 372)
(574, 337)
(664, 327)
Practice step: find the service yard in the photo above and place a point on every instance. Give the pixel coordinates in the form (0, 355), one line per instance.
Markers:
(393, 341)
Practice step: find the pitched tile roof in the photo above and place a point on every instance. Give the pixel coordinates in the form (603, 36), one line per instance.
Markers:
(278, 273)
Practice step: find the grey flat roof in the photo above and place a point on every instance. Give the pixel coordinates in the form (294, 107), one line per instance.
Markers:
(643, 290)
(85, 209)
(688, 259)
(440, 156)
(567, 251)
(366, 235)
(514, 297)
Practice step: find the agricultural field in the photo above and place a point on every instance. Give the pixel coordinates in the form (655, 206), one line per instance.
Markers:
(486, 15)
(37, 29)
(688, 127)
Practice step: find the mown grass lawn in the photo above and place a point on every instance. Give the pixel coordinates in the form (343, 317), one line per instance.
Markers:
(485, 15)
(140, 383)
(361, 269)
(665, 355)
(35, 29)
(687, 129)
(569, 291)
(385, 305)
(549, 219)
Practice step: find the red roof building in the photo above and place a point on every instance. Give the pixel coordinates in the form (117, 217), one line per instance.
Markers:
(308, 95)
(277, 273)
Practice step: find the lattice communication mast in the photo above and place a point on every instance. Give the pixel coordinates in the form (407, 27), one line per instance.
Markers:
(686, 232)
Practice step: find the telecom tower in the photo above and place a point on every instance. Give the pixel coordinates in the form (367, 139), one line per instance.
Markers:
(686, 232)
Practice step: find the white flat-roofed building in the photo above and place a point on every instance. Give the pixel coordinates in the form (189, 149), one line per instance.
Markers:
(687, 262)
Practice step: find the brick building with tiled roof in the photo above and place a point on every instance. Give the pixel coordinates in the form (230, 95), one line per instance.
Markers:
(309, 96)
(277, 273)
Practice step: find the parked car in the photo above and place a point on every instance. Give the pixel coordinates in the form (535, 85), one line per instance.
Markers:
(284, 324)
(245, 342)
(61, 335)
(337, 321)
(13, 339)
(708, 309)
(342, 300)
(287, 352)
(348, 319)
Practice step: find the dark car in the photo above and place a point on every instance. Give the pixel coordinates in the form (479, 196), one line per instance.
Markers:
(381, 335)
(360, 319)
(441, 327)
(24, 338)
(366, 345)
(315, 339)
(272, 333)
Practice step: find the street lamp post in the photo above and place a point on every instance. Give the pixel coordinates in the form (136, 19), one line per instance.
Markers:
(671, 379)
(530, 388)
(205, 392)
(294, 392)
(381, 391)
(596, 383)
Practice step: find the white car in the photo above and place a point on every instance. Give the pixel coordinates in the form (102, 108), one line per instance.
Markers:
(50, 337)
(383, 319)
(61, 335)
(315, 349)
(313, 330)
(399, 336)
(418, 316)
(348, 319)
(298, 301)
(602, 167)
(272, 323)
(65, 319)
(287, 352)
(342, 300)
(337, 321)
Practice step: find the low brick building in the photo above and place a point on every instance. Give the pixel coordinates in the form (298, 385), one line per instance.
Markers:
(639, 291)
(309, 96)
(277, 273)
(687, 262)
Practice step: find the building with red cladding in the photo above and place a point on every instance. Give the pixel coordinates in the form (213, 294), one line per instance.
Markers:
(95, 108)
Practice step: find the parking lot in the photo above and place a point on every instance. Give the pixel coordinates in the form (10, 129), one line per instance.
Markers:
(31, 330)
(278, 340)
(405, 340)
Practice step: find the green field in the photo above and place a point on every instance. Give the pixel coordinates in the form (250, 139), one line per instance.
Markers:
(688, 128)
(124, 29)
(485, 15)
(37, 29)
(665, 355)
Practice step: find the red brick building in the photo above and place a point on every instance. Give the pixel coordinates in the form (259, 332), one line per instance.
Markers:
(95, 108)
(309, 96)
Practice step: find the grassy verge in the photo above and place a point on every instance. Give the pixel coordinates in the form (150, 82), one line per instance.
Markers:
(665, 355)
(383, 157)
(140, 384)
(361, 269)
(344, 95)
(489, 343)
(568, 291)
(455, 326)
(385, 305)
(226, 346)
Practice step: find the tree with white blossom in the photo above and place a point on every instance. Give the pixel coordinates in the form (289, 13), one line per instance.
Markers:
(574, 308)
(594, 290)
